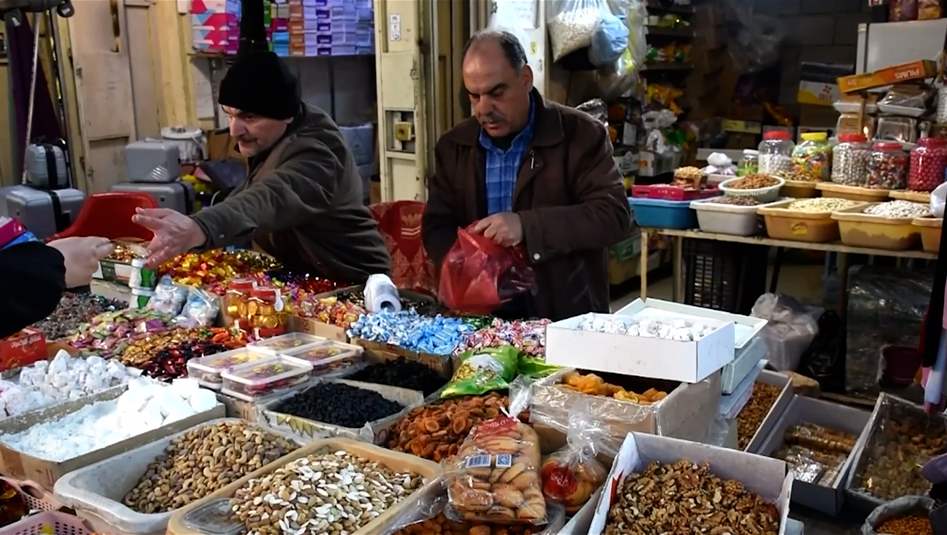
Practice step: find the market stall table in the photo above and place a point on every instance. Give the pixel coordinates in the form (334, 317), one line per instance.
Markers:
(678, 261)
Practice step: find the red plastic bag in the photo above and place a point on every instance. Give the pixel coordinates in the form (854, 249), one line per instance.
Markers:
(477, 275)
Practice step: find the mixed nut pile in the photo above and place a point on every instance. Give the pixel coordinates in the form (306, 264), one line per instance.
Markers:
(324, 493)
(755, 411)
(687, 498)
(895, 457)
(436, 431)
(203, 461)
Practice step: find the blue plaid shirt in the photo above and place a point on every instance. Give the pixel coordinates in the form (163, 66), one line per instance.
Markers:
(502, 166)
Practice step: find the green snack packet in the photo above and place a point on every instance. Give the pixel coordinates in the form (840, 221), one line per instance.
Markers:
(483, 370)
(536, 367)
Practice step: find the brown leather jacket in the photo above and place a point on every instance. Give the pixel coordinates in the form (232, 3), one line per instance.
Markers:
(302, 203)
(569, 196)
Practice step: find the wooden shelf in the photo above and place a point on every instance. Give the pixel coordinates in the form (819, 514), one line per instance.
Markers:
(233, 57)
(677, 10)
(676, 33)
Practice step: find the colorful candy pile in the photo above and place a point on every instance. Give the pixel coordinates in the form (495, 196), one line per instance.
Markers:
(527, 336)
(164, 355)
(73, 310)
(111, 333)
(339, 311)
(437, 335)
(209, 268)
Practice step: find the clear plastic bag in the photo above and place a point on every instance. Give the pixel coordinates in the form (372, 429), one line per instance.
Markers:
(903, 506)
(572, 23)
(905, 99)
(200, 310)
(495, 477)
(609, 40)
(789, 330)
(571, 475)
(169, 297)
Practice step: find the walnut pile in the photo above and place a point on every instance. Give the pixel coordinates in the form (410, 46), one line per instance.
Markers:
(687, 498)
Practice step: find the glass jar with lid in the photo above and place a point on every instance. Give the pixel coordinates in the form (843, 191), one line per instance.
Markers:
(750, 163)
(812, 158)
(850, 160)
(928, 161)
(887, 166)
(776, 153)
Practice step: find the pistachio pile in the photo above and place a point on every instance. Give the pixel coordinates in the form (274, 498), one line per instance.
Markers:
(203, 461)
(324, 493)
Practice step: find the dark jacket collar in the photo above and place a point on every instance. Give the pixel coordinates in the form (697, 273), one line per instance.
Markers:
(547, 130)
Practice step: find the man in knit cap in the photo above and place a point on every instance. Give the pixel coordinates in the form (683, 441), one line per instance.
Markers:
(302, 201)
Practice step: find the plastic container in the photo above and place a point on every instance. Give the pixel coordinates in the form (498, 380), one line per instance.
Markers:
(36, 498)
(799, 189)
(767, 194)
(864, 230)
(899, 129)
(750, 163)
(930, 229)
(214, 518)
(812, 158)
(887, 166)
(96, 491)
(727, 218)
(330, 357)
(854, 193)
(287, 342)
(923, 197)
(656, 213)
(776, 153)
(669, 192)
(784, 224)
(254, 381)
(850, 160)
(48, 523)
(109, 215)
(208, 370)
(928, 161)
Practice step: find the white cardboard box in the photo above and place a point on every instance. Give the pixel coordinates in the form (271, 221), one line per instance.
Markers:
(654, 358)
(732, 404)
(769, 478)
(745, 327)
(825, 498)
(744, 362)
(777, 410)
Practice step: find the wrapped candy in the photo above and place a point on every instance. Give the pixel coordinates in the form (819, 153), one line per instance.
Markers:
(436, 335)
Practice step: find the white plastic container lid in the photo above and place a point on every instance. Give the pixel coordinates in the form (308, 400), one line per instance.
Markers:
(261, 374)
(330, 355)
(287, 342)
(221, 362)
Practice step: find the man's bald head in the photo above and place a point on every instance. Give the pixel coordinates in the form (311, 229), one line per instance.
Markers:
(498, 82)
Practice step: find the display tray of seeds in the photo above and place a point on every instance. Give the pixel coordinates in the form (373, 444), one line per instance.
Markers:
(330, 487)
(901, 439)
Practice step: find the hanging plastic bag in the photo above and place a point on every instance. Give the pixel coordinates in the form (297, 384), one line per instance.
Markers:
(483, 370)
(496, 474)
(478, 275)
(938, 199)
(572, 23)
(200, 310)
(609, 40)
(572, 474)
(789, 331)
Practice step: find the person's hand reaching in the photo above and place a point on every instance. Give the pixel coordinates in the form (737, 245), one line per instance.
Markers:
(82, 257)
(504, 228)
(175, 233)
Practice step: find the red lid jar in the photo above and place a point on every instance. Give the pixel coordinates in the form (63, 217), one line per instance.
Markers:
(928, 162)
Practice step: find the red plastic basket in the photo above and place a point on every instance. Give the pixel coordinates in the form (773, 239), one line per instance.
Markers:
(40, 524)
(668, 192)
(109, 215)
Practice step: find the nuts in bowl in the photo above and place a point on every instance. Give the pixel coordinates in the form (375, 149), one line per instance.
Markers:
(764, 188)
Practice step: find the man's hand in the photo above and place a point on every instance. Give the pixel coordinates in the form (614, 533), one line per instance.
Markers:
(81, 257)
(504, 228)
(175, 233)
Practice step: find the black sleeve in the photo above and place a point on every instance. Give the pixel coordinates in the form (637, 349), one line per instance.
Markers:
(32, 280)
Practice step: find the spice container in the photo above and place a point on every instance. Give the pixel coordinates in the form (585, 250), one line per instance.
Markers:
(850, 160)
(928, 161)
(329, 357)
(253, 381)
(750, 162)
(287, 342)
(208, 370)
(887, 166)
(775, 153)
(812, 157)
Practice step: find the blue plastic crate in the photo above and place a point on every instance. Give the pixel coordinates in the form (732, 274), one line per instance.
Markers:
(659, 213)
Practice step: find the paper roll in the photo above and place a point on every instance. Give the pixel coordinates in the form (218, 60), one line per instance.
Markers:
(381, 294)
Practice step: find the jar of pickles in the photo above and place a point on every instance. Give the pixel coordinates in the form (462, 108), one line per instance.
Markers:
(775, 153)
(812, 158)
(887, 166)
(928, 161)
(850, 160)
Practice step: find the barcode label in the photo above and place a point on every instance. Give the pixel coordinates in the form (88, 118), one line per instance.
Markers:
(477, 461)
(504, 460)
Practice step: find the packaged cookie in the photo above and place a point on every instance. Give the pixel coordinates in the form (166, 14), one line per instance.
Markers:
(496, 476)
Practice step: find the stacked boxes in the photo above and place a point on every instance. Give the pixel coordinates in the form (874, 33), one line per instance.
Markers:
(276, 18)
(215, 25)
(325, 28)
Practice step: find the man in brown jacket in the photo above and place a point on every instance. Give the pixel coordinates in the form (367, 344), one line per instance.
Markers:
(302, 201)
(533, 173)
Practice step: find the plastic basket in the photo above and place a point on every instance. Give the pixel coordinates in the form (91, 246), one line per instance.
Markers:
(40, 524)
(723, 276)
(35, 497)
